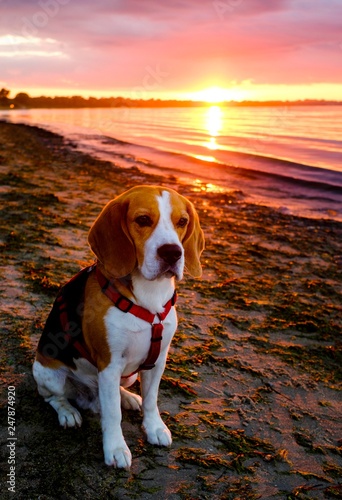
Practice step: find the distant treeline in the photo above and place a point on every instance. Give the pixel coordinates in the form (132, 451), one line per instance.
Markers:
(23, 100)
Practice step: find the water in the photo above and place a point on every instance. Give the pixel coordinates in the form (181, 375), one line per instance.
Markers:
(290, 157)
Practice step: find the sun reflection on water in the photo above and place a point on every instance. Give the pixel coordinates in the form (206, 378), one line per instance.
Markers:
(205, 158)
(207, 187)
(213, 125)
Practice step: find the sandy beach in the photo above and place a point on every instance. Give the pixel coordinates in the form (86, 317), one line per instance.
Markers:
(252, 388)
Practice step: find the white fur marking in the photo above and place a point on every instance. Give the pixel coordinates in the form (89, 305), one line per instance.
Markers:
(164, 234)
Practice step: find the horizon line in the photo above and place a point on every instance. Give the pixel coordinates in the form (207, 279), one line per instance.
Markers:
(23, 98)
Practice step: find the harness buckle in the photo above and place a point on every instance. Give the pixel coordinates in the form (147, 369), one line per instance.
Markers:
(126, 306)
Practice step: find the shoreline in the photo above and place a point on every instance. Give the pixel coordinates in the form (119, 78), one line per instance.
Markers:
(252, 386)
(290, 187)
(301, 197)
(261, 186)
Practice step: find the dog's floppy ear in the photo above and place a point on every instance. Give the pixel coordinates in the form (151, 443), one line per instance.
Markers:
(193, 243)
(110, 241)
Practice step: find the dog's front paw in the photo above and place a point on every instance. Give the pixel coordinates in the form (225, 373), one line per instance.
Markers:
(119, 457)
(129, 400)
(157, 433)
(69, 416)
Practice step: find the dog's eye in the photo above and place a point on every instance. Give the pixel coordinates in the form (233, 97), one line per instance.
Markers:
(144, 221)
(182, 222)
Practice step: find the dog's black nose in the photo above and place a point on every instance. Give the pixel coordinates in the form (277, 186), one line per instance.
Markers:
(170, 253)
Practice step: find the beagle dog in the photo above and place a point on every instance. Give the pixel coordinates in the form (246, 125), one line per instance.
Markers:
(117, 317)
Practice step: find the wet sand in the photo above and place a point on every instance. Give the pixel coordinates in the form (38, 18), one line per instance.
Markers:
(252, 388)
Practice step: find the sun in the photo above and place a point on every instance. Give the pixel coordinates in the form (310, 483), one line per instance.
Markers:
(213, 95)
(218, 95)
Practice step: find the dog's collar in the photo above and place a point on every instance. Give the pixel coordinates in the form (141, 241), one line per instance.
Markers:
(127, 306)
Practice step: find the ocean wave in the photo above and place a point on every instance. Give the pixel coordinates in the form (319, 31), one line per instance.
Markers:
(238, 163)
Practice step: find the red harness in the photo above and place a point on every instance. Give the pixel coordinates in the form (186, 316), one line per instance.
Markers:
(127, 306)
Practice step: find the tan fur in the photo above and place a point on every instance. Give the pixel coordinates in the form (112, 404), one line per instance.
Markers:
(52, 363)
(94, 331)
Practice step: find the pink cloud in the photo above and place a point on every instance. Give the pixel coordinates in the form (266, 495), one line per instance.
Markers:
(114, 45)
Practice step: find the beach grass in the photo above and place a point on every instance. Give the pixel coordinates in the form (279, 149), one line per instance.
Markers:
(252, 388)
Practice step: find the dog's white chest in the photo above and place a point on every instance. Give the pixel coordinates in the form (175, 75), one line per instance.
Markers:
(129, 337)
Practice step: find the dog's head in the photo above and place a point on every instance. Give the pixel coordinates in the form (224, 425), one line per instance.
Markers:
(151, 228)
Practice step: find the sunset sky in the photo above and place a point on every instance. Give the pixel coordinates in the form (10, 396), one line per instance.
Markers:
(195, 49)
